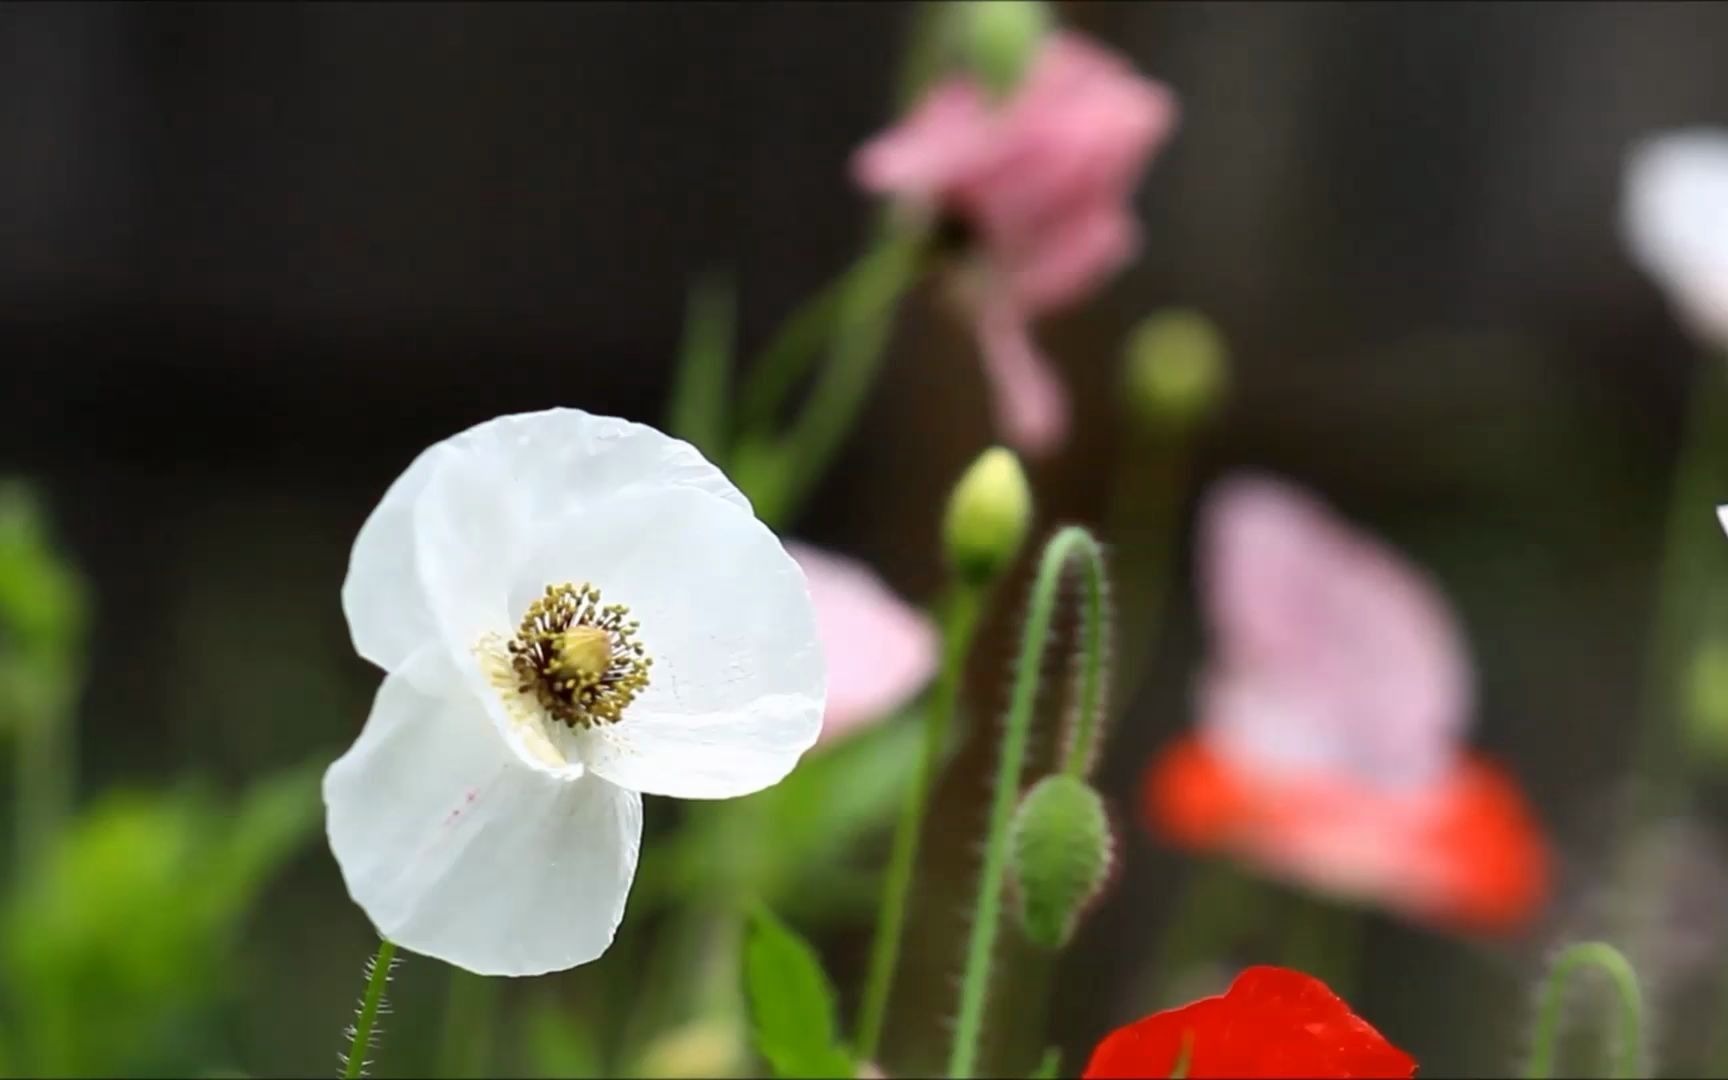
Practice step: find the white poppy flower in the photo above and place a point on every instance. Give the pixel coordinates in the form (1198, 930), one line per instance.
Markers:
(1675, 221)
(571, 610)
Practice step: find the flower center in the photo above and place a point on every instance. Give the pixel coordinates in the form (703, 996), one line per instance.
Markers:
(578, 657)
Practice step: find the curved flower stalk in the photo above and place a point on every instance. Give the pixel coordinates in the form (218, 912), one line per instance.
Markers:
(1071, 549)
(572, 611)
(1272, 1022)
(1330, 716)
(1039, 186)
(879, 650)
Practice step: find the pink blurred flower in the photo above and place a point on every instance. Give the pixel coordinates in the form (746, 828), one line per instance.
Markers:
(1331, 716)
(880, 650)
(1041, 184)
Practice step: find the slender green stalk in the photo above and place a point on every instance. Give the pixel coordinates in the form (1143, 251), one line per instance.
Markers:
(1069, 544)
(787, 357)
(470, 1020)
(959, 626)
(360, 1034)
(1631, 1030)
(699, 391)
(862, 325)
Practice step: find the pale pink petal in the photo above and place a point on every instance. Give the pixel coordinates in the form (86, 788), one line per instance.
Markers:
(932, 149)
(880, 650)
(1042, 184)
(1070, 260)
(1030, 402)
(1327, 647)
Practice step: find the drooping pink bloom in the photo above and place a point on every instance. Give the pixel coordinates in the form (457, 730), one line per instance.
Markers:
(880, 650)
(1331, 715)
(1040, 184)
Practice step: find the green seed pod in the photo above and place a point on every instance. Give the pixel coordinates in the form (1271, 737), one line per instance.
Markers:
(1059, 855)
(1176, 368)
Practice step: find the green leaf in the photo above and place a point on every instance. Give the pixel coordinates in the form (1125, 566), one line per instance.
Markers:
(698, 410)
(791, 1003)
(1049, 1067)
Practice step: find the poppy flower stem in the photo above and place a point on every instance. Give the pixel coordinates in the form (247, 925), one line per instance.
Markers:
(959, 626)
(787, 469)
(1070, 545)
(361, 1032)
(1630, 1035)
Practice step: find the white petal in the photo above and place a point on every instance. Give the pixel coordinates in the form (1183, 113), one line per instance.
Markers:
(1675, 221)
(1722, 517)
(457, 850)
(554, 461)
(736, 690)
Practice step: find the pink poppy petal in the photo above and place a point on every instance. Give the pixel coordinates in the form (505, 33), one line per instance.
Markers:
(880, 650)
(1029, 401)
(1325, 642)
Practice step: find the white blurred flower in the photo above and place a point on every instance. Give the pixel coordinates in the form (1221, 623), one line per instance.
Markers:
(1675, 220)
(489, 814)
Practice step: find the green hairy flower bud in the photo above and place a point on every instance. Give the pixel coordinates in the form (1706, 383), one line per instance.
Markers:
(1060, 856)
(988, 515)
(1177, 368)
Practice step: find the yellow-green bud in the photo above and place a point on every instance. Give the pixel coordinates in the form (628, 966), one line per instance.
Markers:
(1059, 855)
(1177, 367)
(707, 1047)
(1707, 700)
(988, 515)
(1001, 39)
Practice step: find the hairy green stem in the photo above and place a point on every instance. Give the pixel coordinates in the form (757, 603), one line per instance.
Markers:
(1610, 962)
(1070, 544)
(360, 1035)
(959, 626)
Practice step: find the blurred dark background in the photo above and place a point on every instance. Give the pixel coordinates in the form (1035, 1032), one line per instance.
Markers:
(254, 257)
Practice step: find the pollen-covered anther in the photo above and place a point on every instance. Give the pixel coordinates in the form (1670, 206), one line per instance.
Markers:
(579, 658)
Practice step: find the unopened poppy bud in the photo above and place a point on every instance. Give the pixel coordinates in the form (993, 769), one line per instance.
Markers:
(1707, 700)
(699, 1048)
(988, 515)
(1001, 38)
(1059, 855)
(1176, 367)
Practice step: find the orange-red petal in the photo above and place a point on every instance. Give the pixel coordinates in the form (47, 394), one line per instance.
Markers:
(1462, 852)
(1272, 1022)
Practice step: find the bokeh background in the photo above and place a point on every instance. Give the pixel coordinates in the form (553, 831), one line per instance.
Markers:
(254, 257)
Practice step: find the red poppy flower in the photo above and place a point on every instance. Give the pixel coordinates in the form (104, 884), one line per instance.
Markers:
(1331, 714)
(1272, 1022)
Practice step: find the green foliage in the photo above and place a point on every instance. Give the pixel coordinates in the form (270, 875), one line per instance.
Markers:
(796, 846)
(561, 1041)
(43, 614)
(1050, 1065)
(791, 1003)
(124, 936)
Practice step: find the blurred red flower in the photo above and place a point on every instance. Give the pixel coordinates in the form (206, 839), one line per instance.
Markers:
(1331, 716)
(1041, 185)
(1272, 1022)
